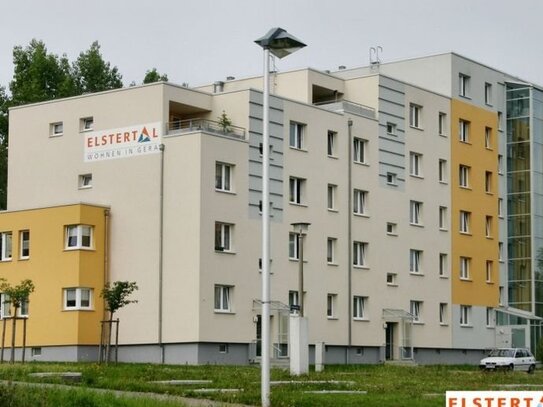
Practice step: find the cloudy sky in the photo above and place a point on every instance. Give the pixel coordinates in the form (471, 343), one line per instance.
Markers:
(201, 41)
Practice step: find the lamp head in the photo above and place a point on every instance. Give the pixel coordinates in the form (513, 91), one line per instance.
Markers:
(280, 43)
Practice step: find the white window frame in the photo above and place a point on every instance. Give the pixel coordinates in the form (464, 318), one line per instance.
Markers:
(293, 246)
(360, 202)
(415, 116)
(331, 194)
(488, 94)
(360, 307)
(24, 244)
(224, 237)
(360, 252)
(222, 298)
(443, 224)
(297, 135)
(331, 300)
(500, 252)
(443, 313)
(5, 306)
(78, 291)
(296, 190)
(415, 213)
(488, 226)
(464, 85)
(223, 177)
(24, 309)
(415, 164)
(442, 170)
(79, 237)
(391, 128)
(86, 124)
(500, 164)
(415, 261)
(415, 309)
(331, 244)
(56, 129)
(500, 207)
(360, 150)
(331, 140)
(293, 300)
(85, 181)
(391, 178)
(465, 265)
(463, 176)
(442, 121)
(392, 279)
(488, 138)
(392, 229)
(465, 315)
(465, 222)
(6, 249)
(489, 271)
(443, 265)
(463, 130)
(490, 317)
(488, 182)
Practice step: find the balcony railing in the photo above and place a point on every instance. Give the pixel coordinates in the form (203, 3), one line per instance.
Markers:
(346, 106)
(210, 126)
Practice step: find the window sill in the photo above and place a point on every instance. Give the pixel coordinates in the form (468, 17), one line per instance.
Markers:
(444, 277)
(468, 280)
(443, 324)
(86, 130)
(443, 229)
(464, 96)
(464, 187)
(489, 237)
(78, 309)
(225, 251)
(466, 326)
(304, 150)
(361, 319)
(489, 193)
(225, 191)
(490, 327)
(56, 135)
(416, 176)
(332, 264)
(361, 215)
(467, 142)
(85, 187)
(333, 210)
(419, 225)
(443, 182)
(332, 318)
(392, 234)
(6, 260)
(392, 285)
(71, 249)
(335, 157)
(296, 260)
(413, 273)
(442, 135)
(392, 184)
(418, 322)
(365, 164)
(490, 282)
(24, 258)
(465, 233)
(298, 204)
(218, 311)
(361, 267)
(416, 128)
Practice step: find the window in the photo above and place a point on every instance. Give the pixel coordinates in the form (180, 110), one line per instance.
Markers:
(297, 131)
(500, 251)
(296, 190)
(443, 313)
(415, 115)
(490, 317)
(223, 237)
(442, 124)
(85, 181)
(79, 237)
(6, 246)
(415, 261)
(501, 295)
(488, 226)
(488, 182)
(463, 131)
(23, 309)
(360, 147)
(465, 315)
(391, 279)
(443, 265)
(500, 119)
(331, 196)
(293, 246)
(391, 178)
(223, 348)
(331, 305)
(34, 352)
(360, 307)
(391, 128)
(5, 306)
(443, 218)
(464, 176)
(442, 170)
(360, 199)
(56, 129)
(392, 228)
(415, 215)
(489, 271)
(488, 137)
(488, 93)
(24, 245)
(331, 250)
(86, 124)
(293, 301)
(415, 164)
(465, 263)
(223, 177)
(464, 85)
(77, 298)
(465, 218)
(223, 299)
(332, 139)
(360, 250)
(500, 164)
(415, 308)
(500, 207)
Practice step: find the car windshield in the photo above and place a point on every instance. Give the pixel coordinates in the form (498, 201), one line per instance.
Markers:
(502, 353)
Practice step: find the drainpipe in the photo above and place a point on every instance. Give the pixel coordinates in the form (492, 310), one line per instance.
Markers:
(349, 239)
(161, 253)
(106, 253)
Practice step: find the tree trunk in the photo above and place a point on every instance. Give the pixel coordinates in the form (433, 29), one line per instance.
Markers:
(14, 324)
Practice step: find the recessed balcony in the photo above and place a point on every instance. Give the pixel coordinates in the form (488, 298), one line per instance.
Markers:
(177, 127)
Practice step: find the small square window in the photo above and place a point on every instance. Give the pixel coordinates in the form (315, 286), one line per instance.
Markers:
(77, 298)
(56, 129)
(391, 279)
(223, 348)
(86, 124)
(391, 128)
(79, 237)
(391, 178)
(35, 352)
(85, 181)
(392, 229)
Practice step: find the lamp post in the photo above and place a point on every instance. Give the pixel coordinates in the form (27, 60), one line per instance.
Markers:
(300, 228)
(279, 43)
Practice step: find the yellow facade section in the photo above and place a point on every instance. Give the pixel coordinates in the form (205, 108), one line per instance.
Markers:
(53, 268)
(478, 247)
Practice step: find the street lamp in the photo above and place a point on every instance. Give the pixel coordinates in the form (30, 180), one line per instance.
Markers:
(300, 229)
(280, 43)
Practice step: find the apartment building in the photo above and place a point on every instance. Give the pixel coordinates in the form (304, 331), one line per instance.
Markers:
(420, 247)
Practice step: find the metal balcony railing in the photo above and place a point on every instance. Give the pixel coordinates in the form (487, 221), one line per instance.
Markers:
(210, 126)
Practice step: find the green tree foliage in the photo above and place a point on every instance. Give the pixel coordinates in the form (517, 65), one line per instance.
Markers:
(17, 294)
(4, 103)
(153, 76)
(93, 74)
(116, 295)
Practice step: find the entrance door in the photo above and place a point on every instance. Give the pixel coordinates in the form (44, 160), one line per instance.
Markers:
(389, 348)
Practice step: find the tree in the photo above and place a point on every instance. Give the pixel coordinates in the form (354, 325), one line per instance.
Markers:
(225, 122)
(93, 74)
(17, 295)
(4, 104)
(153, 76)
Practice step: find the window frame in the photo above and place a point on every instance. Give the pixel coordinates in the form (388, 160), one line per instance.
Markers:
(488, 138)
(465, 315)
(297, 132)
(360, 253)
(6, 246)
(85, 181)
(293, 246)
(441, 124)
(489, 271)
(360, 202)
(443, 270)
(360, 150)
(463, 176)
(56, 129)
(464, 131)
(443, 224)
(415, 261)
(465, 222)
(464, 82)
(79, 236)
(464, 268)
(443, 313)
(415, 116)
(296, 190)
(22, 245)
(415, 213)
(415, 309)
(488, 94)
(78, 299)
(224, 237)
(331, 193)
(442, 171)
(224, 177)
(224, 298)
(83, 124)
(331, 300)
(331, 244)
(331, 141)
(415, 164)
(360, 306)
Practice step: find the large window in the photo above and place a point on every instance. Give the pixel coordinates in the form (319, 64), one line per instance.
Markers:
(443, 265)
(331, 197)
(223, 177)
(442, 170)
(360, 250)
(465, 315)
(415, 308)
(331, 143)
(488, 93)
(443, 218)
(415, 113)
(297, 134)
(331, 243)
(415, 261)
(415, 164)
(223, 298)
(6, 243)
(331, 300)
(442, 123)
(465, 263)
(296, 190)
(24, 244)
(463, 173)
(78, 298)
(465, 220)
(443, 317)
(463, 85)
(79, 237)
(223, 237)
(360, 202)
(415, 213)
(360, 147)
(463, 131)
(293, 246)
(360, 307)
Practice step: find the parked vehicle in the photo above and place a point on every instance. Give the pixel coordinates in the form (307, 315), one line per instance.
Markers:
(509, 359)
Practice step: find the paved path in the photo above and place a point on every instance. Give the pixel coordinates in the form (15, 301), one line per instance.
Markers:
(183, 401)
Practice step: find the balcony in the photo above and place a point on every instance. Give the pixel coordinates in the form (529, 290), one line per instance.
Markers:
(344, 106)
(177, 127)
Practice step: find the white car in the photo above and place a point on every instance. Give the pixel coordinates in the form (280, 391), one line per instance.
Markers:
(509, 359)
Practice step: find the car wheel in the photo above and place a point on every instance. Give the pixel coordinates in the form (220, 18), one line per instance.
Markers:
(510, 368)
(531, 369)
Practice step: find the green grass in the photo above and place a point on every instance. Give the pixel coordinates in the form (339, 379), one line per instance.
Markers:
(385, 385)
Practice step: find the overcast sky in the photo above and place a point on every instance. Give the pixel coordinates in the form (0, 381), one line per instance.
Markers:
(201, 41)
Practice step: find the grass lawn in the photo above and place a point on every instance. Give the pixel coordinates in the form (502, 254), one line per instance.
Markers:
(385, 385)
